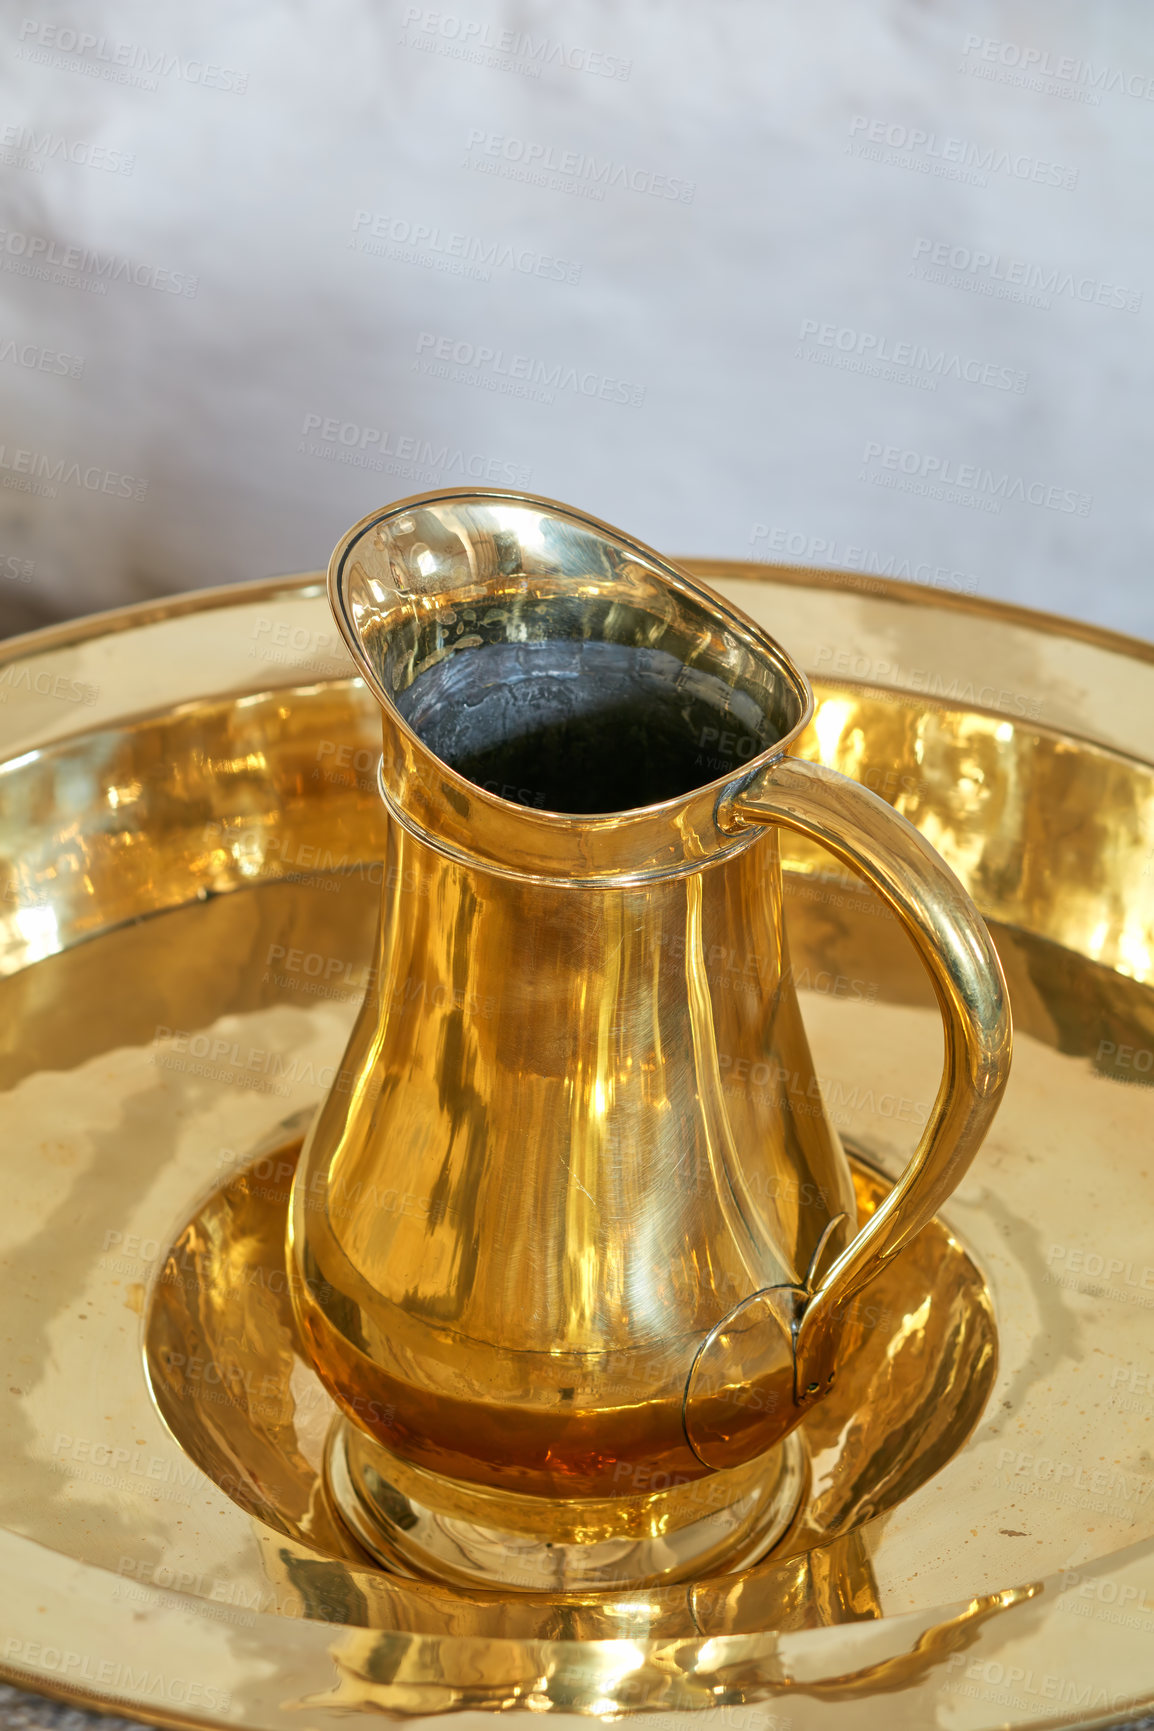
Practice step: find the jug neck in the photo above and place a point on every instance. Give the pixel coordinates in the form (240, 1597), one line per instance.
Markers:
(496, 627)
(480, 829)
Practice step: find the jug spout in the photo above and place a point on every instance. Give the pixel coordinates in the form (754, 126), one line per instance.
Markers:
(557, 701)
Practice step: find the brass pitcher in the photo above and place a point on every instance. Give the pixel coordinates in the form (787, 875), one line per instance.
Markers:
(572, 1288)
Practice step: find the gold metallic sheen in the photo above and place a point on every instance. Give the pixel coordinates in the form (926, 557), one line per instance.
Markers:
(222, 1299)
(952, 942)
(173, 808)
(612, 1261)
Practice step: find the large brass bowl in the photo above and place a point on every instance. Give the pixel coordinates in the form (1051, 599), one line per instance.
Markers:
(188, 837)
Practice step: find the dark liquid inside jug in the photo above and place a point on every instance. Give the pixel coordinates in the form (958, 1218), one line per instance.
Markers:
(582, 726)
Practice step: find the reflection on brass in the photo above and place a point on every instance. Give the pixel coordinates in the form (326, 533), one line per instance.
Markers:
(283, 789)
(411, 1521)
(918, 1376)
(144, 1060)
(609, 1266)
(373, 1672)
(895, 1670)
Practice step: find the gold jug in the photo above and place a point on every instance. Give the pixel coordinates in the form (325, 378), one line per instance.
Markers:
(571, 1286)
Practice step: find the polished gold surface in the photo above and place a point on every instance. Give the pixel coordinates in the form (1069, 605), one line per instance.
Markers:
(952, 941)
(908, 1400)
(610, 1263)
(1015, 1586)
(414, 1523)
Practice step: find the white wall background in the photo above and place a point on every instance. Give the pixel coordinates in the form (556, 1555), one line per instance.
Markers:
(743, 200)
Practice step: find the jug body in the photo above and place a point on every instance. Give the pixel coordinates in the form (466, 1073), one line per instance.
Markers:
(571, 1240)
(579, 1125)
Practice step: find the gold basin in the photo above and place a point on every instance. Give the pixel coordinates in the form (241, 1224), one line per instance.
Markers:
(189, 877)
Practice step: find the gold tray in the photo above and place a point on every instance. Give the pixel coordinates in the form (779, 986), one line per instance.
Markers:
(188, 881)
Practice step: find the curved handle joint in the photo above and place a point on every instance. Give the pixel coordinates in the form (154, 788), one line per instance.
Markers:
(950, 936)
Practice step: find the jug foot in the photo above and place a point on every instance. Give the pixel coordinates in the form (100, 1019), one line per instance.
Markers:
(419, 1523)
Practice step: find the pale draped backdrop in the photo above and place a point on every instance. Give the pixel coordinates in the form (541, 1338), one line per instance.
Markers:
(865, 283)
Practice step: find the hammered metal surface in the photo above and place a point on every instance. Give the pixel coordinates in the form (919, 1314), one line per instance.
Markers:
(1014, 1587)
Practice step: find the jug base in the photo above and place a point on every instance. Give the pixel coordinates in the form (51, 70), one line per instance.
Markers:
(418, 1523)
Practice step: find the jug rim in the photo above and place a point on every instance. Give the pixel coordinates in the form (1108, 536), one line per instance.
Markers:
(480, 827)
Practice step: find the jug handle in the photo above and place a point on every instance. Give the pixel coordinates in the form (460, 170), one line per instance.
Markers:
(950, 936)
